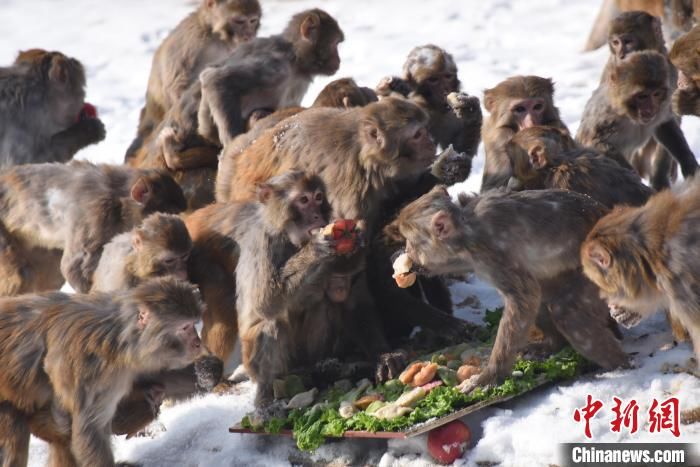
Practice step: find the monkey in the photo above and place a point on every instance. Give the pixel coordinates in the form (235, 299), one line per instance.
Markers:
(344, 93)
(642, 259)
(632, 105)
(383, 142)
(429, 76)
(204, 37)
(494, 235)
(75, 208)
(267, 73)
(545, 157)
(159, 246)
(71, 358)
(514, 104)
(634, 31)
(43, 113)
(292, 319)
(684, 55)
(677, 17)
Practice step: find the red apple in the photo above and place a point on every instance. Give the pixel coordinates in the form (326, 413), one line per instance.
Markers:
(448, 442)
(88, 111)
(345, 235)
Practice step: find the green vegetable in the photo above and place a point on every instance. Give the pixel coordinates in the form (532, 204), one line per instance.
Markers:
(374, 406)
(447, 375)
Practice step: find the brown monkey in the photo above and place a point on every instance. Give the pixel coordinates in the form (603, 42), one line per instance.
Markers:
(677, 17)
(43, 114)
(632, 105)
(429, 76)
(206, 36)
(344, 93)
(645, 259)
(526, 244)
(516, 103)
(159, 246)
(634, 31)
(545, 157)
(685, 55)
(309, 297)
(267, 73)
(70, 358)
(76, 208)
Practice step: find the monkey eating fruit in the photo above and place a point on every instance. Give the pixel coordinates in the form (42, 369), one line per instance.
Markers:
(402, 271)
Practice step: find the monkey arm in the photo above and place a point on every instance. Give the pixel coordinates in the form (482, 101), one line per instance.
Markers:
(468, 112)
(81, 257)
(687, 102)
(90, 443)
(85, 132)
(670, 136)
(190, 158)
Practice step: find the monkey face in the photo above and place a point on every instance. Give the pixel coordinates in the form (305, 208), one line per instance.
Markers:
(309, 213)
(526, 113)
(338, 287)
(173, 264)
(437, 86)
(644, 106)
(243, 28)
(186, 333)
(623, 44)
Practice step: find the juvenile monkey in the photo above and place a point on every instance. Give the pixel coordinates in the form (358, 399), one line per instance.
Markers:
(526, 244)
(43, 114)
(206, 36)
(632, 105)
(685, 55)
(429, 76)
(69, 359)
(159, 246)
(75, 208)
(514, 104)
(645, 259)
(544, 157)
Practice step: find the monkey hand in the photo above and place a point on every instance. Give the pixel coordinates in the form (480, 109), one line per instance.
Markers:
(391, 85)
(484, 380)
(466, 107)
(451, 166)
(345, 235)
(390, 365)
(154, 394)
(625, 317)
(209, 370)
(92, 130)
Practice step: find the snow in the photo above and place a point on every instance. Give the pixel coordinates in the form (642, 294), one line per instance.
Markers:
(490, 40)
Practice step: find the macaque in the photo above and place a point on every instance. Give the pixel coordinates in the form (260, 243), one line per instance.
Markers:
(644, 259)
(634, 31)
(312, 297)
(685, 56)
(526, 245)
(75, 208)
(43, 113)
(514, 104)
(68, 360)
(344, 93)
(159, 246)
(677, 17)
(429, 77)
(632, 105)
(545, 157)
(206, 36)
(267, 73)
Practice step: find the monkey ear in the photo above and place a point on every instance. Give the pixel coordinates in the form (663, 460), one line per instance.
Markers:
(537, 158)
(141, 191)
(58, 73)
(442, 225)
(488, 101)
(600, 256)
(144, 317)
(373, 134)
(309, 28)
(393, 233)
(264, 192)
(137, 241)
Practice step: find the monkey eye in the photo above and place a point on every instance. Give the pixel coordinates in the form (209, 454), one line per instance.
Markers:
(303, 199)
(616, 42)
(658, 93)
(253, 20)
(418, 134)
(432, 80)
(318, 197)
(239, 20)
(539, 106)
(519, 109)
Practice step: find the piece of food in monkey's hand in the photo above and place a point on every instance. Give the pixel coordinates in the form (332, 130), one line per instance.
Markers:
(87, 111)
(402, 271)
(451, 167)
(344, 232)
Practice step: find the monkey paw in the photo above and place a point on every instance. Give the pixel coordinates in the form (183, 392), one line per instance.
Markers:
(451, 166)
(390, 85)
(464, 106)
(390, 365)
(93, 130)
(625, 317)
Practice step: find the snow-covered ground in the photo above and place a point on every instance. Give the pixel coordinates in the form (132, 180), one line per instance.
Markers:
(490, 41)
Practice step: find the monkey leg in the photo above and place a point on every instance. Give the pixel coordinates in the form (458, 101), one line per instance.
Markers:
(220, 319)
(60, 455)
(14, 437)
(583, 319)
(13, 266)
(680, 333)
(265, 349)
(662, 169)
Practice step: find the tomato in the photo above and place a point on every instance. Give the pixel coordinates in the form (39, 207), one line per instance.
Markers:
(448, 442)
(345, 235)
(88, 111)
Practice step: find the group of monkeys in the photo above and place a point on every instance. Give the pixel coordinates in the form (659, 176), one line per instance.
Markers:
(220, 208)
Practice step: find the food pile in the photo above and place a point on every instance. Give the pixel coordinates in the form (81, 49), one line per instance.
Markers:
(425, 390)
